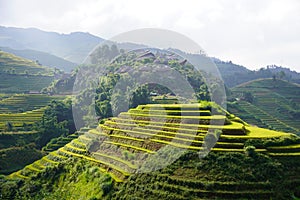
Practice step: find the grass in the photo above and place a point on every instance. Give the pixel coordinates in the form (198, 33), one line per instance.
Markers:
(158, 128)
(11, 63)
(274, 106)
(18, 119)
(45, 158)
(117, 159)
(171, 112)
(11, 83)
(232, 126)
(256, 132)
(153, 135)
(95, 160)
(130, 146)
(72, 148)
(296, 146)
(26, 102)
(214, 117)
(142, 136)
(296, 154)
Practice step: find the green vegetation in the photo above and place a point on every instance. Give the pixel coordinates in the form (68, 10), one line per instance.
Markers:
(20, 75)
(24, 134)
(20, 121)
(56, 121)
(234, 75)
(274, 104)
(245, 162)
(26, 102)
(15, 158)
(12, 83)
(169, 151)
(11, 64)
(66, 180)
(110, 97)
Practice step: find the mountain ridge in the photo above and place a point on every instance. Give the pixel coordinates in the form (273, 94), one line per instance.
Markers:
(73, 47)
(76, 46)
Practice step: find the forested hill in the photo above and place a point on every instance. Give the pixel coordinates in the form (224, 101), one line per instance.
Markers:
(234, 74)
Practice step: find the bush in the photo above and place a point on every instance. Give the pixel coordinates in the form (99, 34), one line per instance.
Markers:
(250, 151)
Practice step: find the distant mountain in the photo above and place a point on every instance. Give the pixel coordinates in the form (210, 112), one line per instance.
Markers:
(73, 47)
(43, 58)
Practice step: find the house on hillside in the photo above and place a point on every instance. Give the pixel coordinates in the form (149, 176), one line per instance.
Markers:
(148, 54)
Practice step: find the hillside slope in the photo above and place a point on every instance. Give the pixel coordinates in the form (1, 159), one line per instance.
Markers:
(18, 75)
(43, 58)
(136, 148)
(274, 104)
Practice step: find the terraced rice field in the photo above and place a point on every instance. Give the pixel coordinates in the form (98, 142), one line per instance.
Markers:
(122, 145)
(14, 83)
(26, 102)
(19, 119)
(273, 105)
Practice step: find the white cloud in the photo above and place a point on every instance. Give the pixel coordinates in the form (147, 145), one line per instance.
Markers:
(250, 32)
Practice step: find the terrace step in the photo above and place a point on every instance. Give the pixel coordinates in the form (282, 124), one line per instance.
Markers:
(130, 146)
(266, 118)
(232, 129)
(116, 161)
(171, 112)
(219, 119)
(116, 171)
(56, 157)
(285, 149)
(70, 147)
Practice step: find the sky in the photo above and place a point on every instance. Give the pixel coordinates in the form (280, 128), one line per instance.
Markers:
(253, 33)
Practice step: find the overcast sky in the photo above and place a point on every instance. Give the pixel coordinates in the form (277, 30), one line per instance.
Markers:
(254, 33)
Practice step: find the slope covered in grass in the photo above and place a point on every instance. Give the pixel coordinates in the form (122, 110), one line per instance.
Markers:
(26, 102)
(18, 75)
(243, 162)
(16, 65)
(274, 104)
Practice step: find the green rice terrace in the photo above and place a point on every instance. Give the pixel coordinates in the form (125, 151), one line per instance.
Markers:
(124, 157)
(274, 104)
(16, 121)
(11, 64)
(19, 75)
(26, 102)
(14, 83)
(23, 110)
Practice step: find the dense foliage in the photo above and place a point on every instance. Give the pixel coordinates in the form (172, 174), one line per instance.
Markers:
(71, 179)
(56, 121)
(119, 86)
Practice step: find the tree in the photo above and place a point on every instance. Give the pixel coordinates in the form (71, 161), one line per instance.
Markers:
(140, 96)
(250, 151)
(56, 121)
(281, 74)
(247, 96)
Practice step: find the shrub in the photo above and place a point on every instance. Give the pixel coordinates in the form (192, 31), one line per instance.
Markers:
(250, 151)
